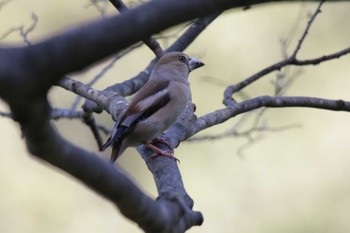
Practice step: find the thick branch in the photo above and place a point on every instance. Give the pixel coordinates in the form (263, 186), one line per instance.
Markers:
(49, 60)
(150, 42)
(101, 176)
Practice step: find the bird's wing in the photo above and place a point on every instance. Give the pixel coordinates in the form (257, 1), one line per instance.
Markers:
(146, 108)
(143, 105)
(153, 95)
(116, 135)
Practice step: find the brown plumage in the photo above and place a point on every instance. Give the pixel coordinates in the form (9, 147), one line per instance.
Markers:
(156, 106)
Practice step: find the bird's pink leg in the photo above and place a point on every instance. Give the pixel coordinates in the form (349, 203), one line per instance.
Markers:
(160, 152)
(159, 140)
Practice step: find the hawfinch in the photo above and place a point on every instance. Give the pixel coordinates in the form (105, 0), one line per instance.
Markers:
(155, 107)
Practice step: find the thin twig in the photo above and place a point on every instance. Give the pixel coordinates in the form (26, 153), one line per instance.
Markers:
(89, 120)
(277, 66)
(306, 31)
(24, 32)
(291, 60)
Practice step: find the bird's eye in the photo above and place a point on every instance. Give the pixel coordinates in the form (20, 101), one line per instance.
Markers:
(182, 59)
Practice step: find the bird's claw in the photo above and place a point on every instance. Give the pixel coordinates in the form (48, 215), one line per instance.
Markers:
(160, 152)
(168, 154)
(162, 141)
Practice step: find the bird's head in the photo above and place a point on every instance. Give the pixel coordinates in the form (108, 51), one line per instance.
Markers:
(179, 61)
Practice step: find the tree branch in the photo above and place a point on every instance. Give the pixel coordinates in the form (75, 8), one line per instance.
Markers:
(222, 115)
(291, 60)
(101, 176)
(230, 90)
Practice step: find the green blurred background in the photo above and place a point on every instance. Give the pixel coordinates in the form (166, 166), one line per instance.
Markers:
(296, 180)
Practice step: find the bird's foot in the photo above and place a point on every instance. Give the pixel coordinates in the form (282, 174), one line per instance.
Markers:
(162, 141)
(168, 154)
(160, 152)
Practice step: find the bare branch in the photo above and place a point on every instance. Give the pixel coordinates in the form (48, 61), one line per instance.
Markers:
(225, 114)
(56, 114)
(89, 120)
(291, 60)
(312, 19)
(228, 100)
(24, 32)
(83, 90)
(317, 61)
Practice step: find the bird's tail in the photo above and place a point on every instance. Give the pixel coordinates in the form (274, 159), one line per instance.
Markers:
(116, 140)
(116, 151)
(107, 144)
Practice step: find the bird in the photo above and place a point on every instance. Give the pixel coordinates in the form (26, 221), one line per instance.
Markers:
(155, 107)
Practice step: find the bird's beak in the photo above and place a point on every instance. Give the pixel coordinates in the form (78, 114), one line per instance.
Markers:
(194, 63)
